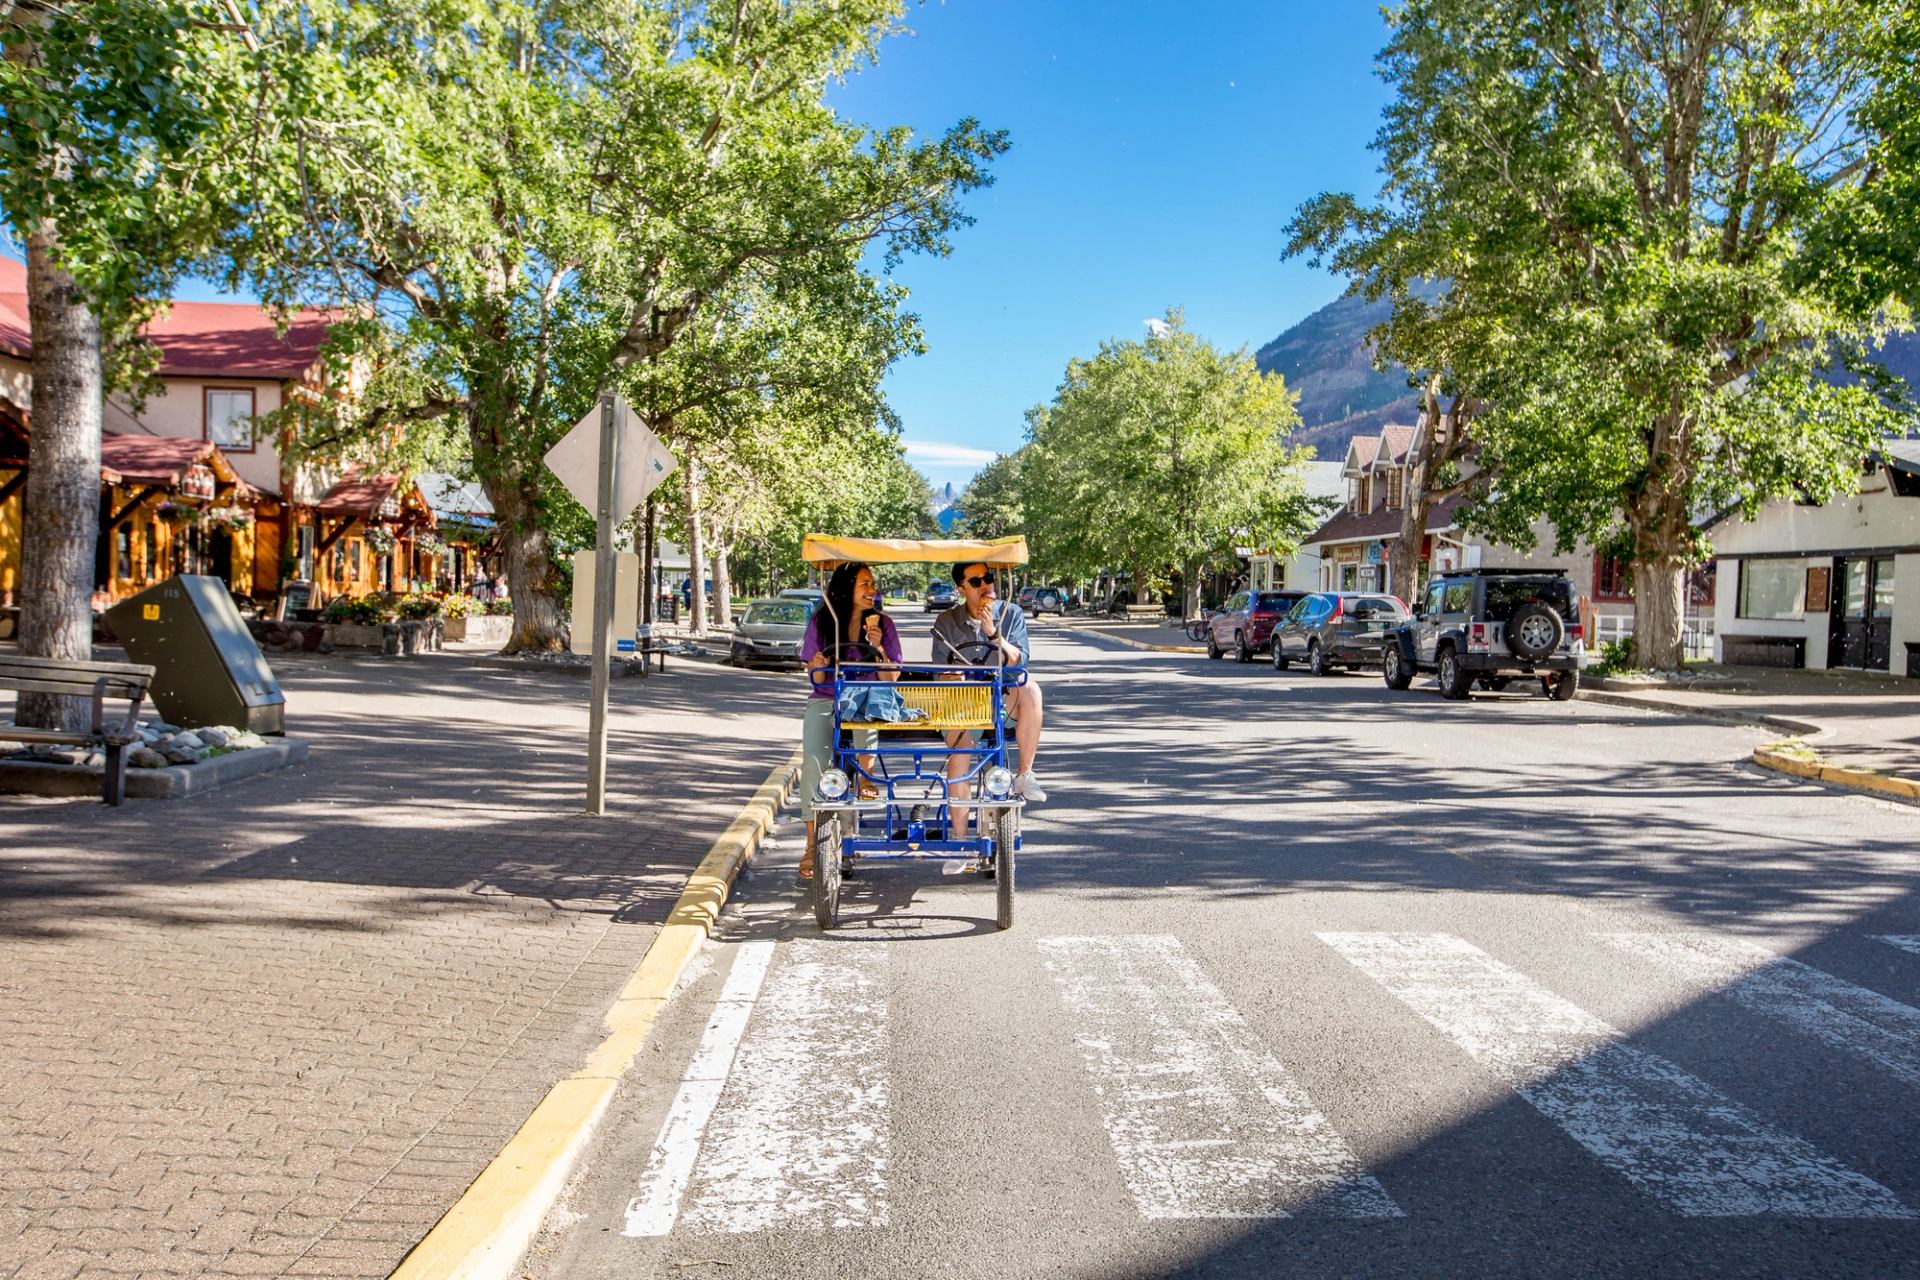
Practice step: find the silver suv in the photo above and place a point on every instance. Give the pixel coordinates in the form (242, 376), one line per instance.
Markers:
(1336, 629)
(1491, 625)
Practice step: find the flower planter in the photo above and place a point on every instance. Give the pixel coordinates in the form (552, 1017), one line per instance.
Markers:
(354, 635)
(490, 629)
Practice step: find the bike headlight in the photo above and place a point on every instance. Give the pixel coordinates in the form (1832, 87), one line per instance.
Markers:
(999, 783)
(833, 784)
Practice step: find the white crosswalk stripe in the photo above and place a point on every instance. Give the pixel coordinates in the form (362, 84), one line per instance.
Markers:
(1909, 942)
(1833, 1011)
(1668, 1132)
(799, 1136)
(652, 1212)
(1203, 1120)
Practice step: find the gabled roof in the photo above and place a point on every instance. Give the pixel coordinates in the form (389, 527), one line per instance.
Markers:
(357, 494)
(1345, 526)
(161, 460)
(15, 338)
(1900, 454)
(196, 339)
(1397, 440)
(1361, 451)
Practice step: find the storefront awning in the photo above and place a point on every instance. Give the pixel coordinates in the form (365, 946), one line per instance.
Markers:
(171, 463)
(358, 496)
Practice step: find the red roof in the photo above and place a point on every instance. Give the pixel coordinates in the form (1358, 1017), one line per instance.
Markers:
(1366, 447)
(14, 335)
(163, 460)
(1398, 441)
(356, 494)
(205, 339)
(1384, 523)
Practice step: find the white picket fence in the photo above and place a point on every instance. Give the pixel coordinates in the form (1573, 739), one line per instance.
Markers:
(1697, 632)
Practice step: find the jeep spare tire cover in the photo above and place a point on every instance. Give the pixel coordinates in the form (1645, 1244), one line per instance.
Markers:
(1535, 631)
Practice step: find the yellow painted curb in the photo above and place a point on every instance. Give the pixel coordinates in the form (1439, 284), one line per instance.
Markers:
(485, 1233)
(1840, 775)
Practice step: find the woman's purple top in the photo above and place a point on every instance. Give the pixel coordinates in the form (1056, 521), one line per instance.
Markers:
(818, 637)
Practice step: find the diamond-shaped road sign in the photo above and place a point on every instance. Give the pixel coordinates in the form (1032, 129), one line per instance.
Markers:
(644, 457)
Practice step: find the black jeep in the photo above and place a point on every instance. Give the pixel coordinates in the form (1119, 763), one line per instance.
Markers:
(1491, 625)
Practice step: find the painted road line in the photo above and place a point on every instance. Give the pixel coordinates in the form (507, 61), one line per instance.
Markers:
(1833, 1011)
(1204, 1121)
(1909, 942)
(801, 1135)
(1668, 1132)
(652, 1212)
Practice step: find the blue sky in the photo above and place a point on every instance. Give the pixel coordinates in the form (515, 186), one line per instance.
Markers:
(1159, 148)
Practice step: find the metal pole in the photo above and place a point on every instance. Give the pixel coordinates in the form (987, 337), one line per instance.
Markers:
(602, 610)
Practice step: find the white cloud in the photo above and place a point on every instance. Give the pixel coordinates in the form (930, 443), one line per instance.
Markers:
(938, 453)
(1158, 328)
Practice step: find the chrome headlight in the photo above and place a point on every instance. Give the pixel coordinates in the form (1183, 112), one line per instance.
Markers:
(998, 782)
(833, 784)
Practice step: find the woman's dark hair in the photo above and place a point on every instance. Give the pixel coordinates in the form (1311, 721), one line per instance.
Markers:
(836, 610)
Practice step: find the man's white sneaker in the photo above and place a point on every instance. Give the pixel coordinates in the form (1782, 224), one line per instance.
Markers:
(1029, 788)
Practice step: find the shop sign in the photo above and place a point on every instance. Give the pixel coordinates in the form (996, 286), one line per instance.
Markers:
(198, 481)
(1373, 552)
(1348, 554)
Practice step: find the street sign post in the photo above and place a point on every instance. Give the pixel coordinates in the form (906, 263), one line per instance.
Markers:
(610, 462)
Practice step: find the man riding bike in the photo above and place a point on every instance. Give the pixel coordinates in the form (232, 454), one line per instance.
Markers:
(980, 632)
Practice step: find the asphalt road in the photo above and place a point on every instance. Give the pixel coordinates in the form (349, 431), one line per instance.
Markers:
(1307, 978)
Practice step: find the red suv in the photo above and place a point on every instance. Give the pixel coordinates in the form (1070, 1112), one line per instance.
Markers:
(1245, 623)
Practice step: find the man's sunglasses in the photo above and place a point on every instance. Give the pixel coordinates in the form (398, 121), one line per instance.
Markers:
(978, 580)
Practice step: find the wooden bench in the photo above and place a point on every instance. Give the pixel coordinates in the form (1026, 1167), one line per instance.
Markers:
(1763, 651)
(97, 681)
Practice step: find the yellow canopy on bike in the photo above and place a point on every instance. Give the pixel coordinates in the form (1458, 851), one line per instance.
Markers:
(825, 551)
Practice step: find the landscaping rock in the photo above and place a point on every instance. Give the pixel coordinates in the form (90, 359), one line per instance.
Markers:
(146, 758)
(246, 740)
(186, 738)
(177, 754)
(214, 736)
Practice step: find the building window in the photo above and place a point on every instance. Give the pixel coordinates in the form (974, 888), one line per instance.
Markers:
(150, 539)
(230, 418)
(123, 551)
(303, 568)
(1396, 485)
(1772, 588)
(1612, 578)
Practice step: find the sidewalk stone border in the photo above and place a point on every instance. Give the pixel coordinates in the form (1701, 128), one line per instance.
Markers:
(1806, 763)
(36, 778)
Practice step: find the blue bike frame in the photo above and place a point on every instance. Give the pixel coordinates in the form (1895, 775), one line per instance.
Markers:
(912, 826)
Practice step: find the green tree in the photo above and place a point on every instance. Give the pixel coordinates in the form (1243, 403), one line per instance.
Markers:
(1163, 452)
(537, 202)
(123, 149)
(994, 503)
(1629, 203)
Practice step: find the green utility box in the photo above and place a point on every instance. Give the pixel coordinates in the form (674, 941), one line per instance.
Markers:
(207, 668)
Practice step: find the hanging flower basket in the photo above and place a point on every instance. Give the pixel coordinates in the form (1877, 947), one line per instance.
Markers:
(231, 519)
(380, 541)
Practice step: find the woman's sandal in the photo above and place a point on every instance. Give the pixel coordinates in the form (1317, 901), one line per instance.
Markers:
(869, 790)
(804, 872)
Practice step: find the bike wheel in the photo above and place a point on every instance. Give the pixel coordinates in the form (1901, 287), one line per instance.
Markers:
(826, 872)
(1006, 830)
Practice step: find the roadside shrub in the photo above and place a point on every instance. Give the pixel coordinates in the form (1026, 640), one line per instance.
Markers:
(417, 608)
(499, 608)
(362, 612)
(1615, 656)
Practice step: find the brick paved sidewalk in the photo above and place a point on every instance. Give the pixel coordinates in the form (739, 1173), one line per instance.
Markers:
(1868, 719)
(277, 1030)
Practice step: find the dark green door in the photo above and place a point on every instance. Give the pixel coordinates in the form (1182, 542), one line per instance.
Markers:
(1861, 620)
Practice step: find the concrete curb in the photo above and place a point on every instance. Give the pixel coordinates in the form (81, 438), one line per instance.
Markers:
(1853, 778)
(488, 1230)
(27, 778)
(1130, 642)
(1799, 728)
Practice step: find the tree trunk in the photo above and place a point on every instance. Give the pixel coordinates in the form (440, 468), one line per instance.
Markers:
(1659, 614)
(539, 625)
(722, 581)
(1139, 585)
(696, 569)
(1658, 519)
(61, 507)
(1190, 580)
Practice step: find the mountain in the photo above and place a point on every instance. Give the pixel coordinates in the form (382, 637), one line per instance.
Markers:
(1328, 362)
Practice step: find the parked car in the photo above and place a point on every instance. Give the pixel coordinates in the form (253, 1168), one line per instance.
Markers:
(941, 596)
(1245, 622)
(1024, 598)
(1332, 629)
(812, 595)
(770, 631)
(1491, 625)
(1038, 600)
